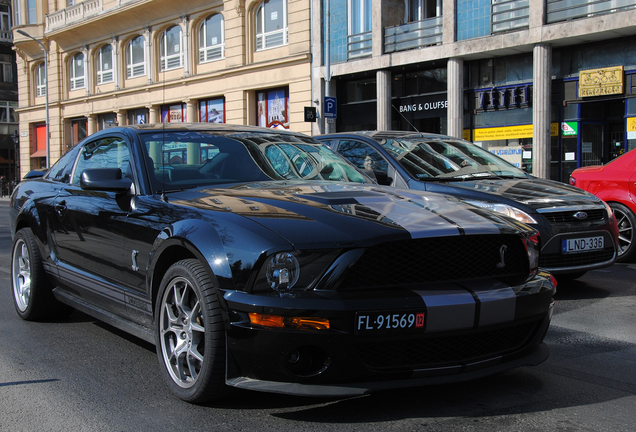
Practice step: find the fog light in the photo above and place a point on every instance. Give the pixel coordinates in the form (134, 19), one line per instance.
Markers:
(307, 361)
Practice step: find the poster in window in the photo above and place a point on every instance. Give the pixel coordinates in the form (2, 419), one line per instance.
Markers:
(272, 109)
(212, 111)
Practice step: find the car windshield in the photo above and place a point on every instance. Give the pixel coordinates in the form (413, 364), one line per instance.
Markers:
(428, 159)
(188, 159)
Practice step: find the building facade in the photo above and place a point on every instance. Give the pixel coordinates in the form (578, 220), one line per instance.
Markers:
(547, 84)
(8, 102)
(117, 62)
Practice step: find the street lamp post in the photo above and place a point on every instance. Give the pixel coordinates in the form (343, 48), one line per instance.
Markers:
(16, 140)
(46, 91)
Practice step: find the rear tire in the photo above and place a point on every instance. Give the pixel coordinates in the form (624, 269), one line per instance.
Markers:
(626, 225)
(190, 333)
(32, 291)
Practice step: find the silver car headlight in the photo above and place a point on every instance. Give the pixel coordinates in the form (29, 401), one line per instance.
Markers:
(505, 209)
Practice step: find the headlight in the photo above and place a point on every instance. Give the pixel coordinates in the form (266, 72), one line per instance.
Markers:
(505, 209)
(533, 247)
(284, 271)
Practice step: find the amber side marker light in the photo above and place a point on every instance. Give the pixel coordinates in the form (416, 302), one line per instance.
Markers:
(277, 321)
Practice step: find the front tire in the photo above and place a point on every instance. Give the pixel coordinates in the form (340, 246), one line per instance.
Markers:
(32, 291)
(626, 225)
(190, 333)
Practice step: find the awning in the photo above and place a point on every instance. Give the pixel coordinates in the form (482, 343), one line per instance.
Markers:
(39, 153)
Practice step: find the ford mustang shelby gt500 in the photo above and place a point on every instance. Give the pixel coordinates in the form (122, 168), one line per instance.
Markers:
(260, 259)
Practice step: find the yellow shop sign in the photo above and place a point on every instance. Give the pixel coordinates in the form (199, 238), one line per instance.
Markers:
(509, 132)
(599, 82)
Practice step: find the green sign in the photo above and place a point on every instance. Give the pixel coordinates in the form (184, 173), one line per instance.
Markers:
(569, 128)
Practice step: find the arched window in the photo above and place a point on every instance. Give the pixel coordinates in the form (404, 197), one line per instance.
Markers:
(136, 57)
(211, 39)
(40, 80)
(77, 71)
(170, 48)
(105, 64)
(271, 24)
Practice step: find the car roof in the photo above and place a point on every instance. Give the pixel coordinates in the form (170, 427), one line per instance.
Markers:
(381, 135)
(204, 127)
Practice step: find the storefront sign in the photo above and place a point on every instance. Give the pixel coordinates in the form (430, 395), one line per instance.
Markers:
(511, 154)
(631, 128)
(504, 98)
(509, 132)
(569, 128)
(417, 107)
(600, 82)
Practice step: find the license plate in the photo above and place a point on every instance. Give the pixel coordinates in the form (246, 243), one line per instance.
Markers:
(392, 321)
(582, 244)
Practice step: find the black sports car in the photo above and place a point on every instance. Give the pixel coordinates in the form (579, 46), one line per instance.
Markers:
(578, 231)
(260, 259)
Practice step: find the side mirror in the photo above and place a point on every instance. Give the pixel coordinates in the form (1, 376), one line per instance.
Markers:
(105, 179)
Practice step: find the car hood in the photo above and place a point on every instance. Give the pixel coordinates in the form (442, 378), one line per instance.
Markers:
(324, 212)
(532, 192)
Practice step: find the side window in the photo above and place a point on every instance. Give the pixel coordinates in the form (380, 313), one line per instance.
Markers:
(104, 153)
(362, 155)
(61, 170)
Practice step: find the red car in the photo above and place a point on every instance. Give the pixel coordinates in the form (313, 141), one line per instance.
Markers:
(615, 184)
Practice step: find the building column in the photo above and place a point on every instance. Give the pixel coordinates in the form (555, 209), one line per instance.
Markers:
(383, 85)
(455, 95)
(114, 42)
(149, 57)
(154, 116)
(185, 32)
(87, 67)
(541, 104)
(91, 124)
(121, 117)
(191, 111)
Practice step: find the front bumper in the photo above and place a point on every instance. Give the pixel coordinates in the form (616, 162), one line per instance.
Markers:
(556, 262)
(467, 334)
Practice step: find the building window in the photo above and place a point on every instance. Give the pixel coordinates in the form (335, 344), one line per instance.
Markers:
(40, 80)
(273, 108)
(212, 110)
(271, 24)
(17, 10)
(137, 116)
(211, 41)
(473, 18)
(105, 64)
(170, 47)
(136, 58)
(78, 130)
(419, 10)
(6, 72)
(7, 112)
(77, 71)
(31, 12)
(359, 26)
(173, 113)
(5, 19)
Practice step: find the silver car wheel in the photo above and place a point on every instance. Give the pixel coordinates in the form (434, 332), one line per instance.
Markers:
(182, 332)
(21, 270)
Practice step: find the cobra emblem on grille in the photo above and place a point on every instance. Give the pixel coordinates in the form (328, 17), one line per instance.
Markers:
(580, 215)
(502, 255)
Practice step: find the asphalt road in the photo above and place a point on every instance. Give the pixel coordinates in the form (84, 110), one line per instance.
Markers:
(82, 375)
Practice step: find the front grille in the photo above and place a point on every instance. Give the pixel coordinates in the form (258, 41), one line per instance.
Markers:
(568, 216)
(559, 260)
(441, 259)
(443, 350)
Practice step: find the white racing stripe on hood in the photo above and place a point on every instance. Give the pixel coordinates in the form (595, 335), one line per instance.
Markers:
(420, 215)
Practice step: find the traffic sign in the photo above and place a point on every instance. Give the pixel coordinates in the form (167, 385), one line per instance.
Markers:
(331, 107)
